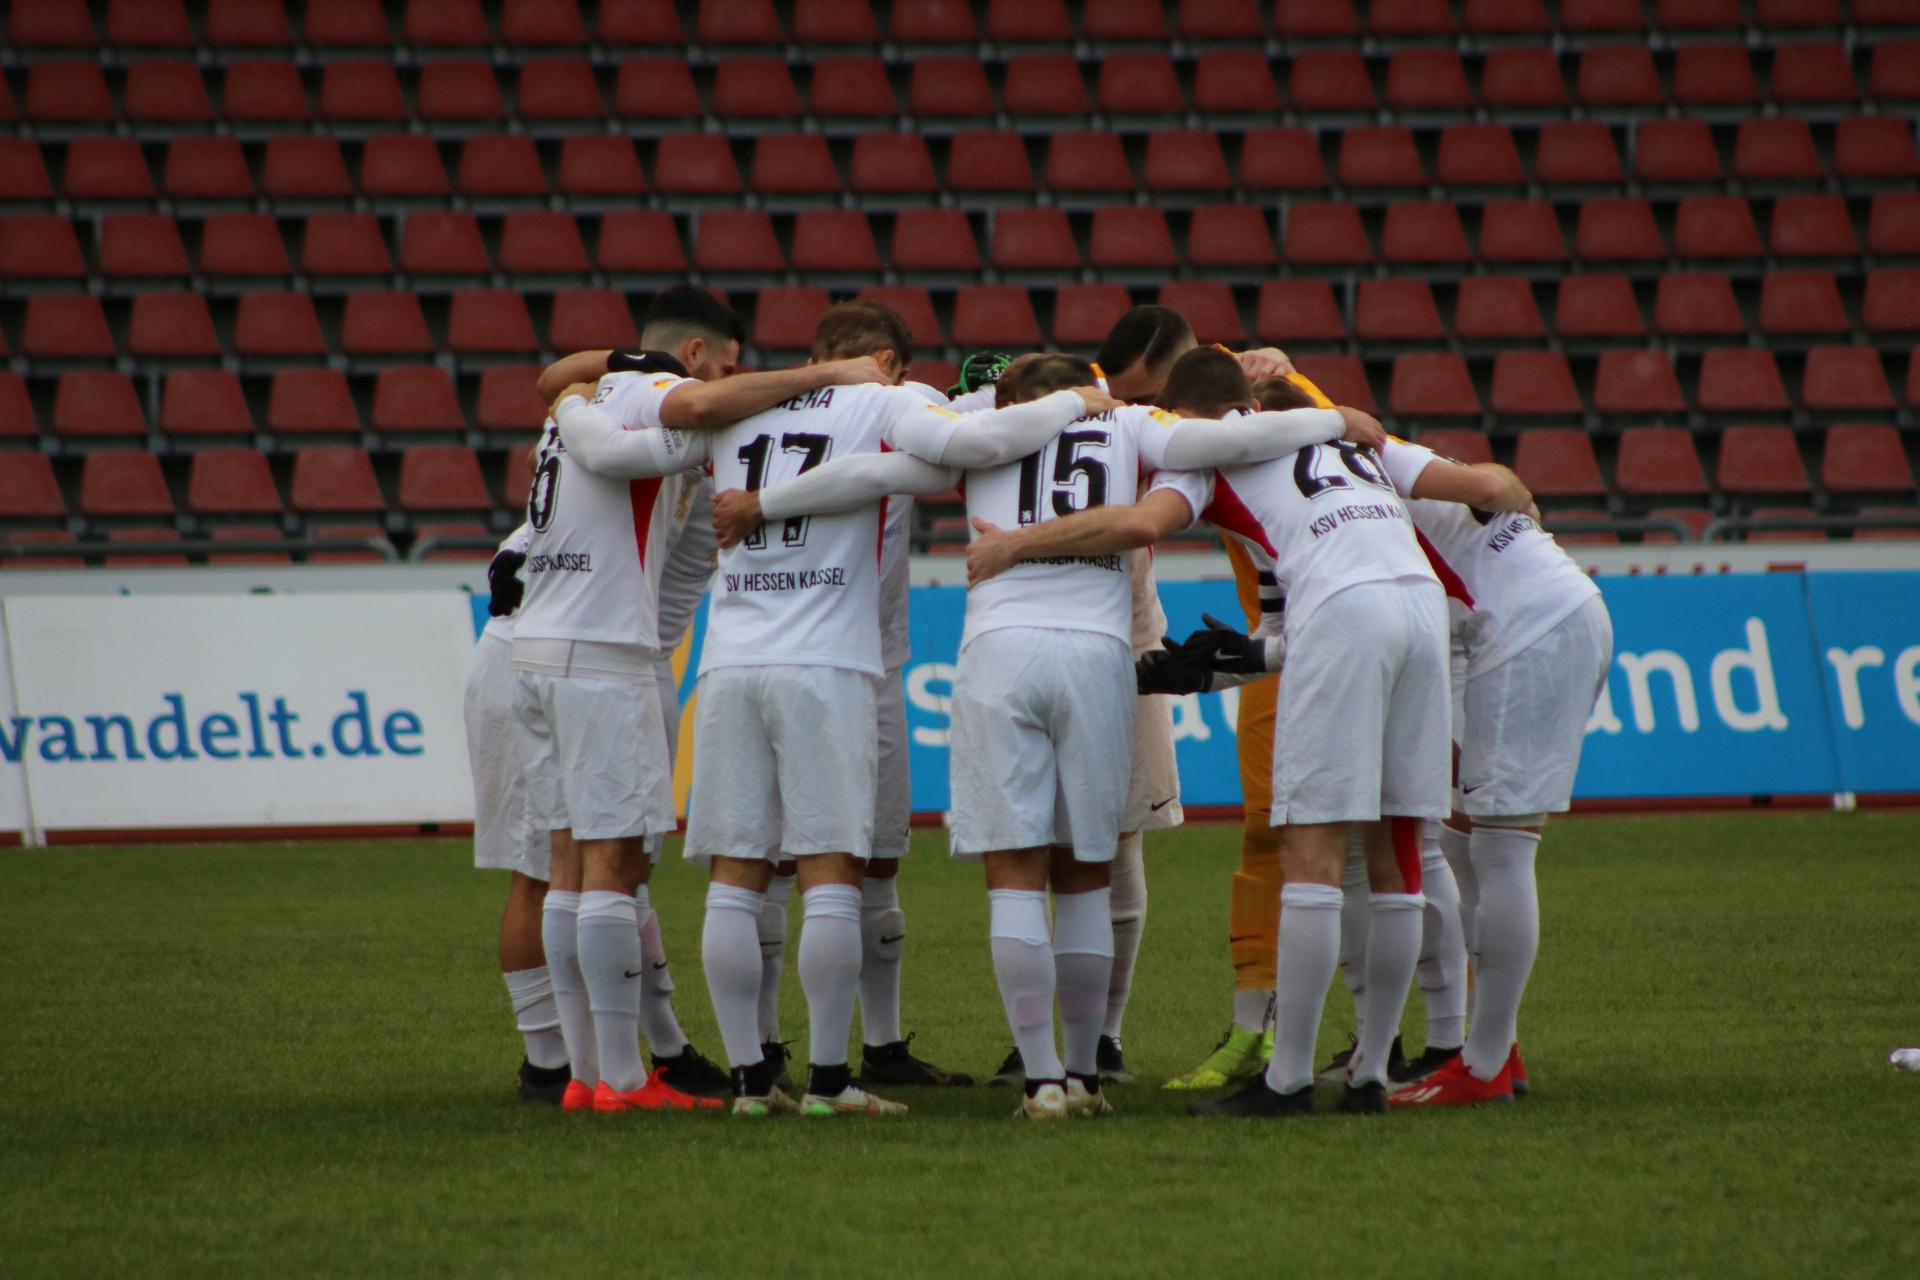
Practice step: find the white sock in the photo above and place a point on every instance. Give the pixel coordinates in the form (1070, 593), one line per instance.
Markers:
(658, 1022)
(1023, 966)
(1309, 951)
(609, 935)
(1354, 895)
(1393, 948)
(537, 1016)
(1082, 973)
(883, 940)
(1506, 936)
(1454, 844)
(1128, 904)
(829, 968)
(773, 954)
(730, 952)
(560, 935)
(1442, 970)
(1252, 1010)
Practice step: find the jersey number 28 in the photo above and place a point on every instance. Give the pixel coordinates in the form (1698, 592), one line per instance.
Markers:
(813, 449)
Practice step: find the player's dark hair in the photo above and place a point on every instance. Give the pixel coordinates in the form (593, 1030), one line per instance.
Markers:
(1148, 335)
(1282, 393)
(862, 327)
(1208, 382)
(682, 311)
(1043, 375)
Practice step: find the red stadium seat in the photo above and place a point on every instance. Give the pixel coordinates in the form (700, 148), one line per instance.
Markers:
(1396, 310)
(1864, 459)
(1892, 302)
(458, 89)
(1280, 158)
(415, 397)
(640, 240)
(1459, 444)
(334, 478)
(204, 402)
(1760, 460)
(738, 22)
(1658, 460)
(443, 244)
(1845, 378)
(1087, 162)
(1800, 302)
(39, 246)
(1380, 156)
(1812, 227)
(490, 320)
(442, 477)
(42, 562)
(265, 92)
(600, 164)
(1221, 20)
(97, 403)
(1533, 383)
(737, 240)
(172, 324)
(207, 168)
(1637, 381)
(784, 316)
(655, 89)
(348, 22)
(361, 91)
(1423, 231)
(1895, 73)
(1520, 231)
(933, 22)
(1230, 235)
(23, 171)
(1798, 13)
(1340, 378)
(1813, 73)
(27, 487)
(1740, 380)
(1478, 155)
(231, 482)
(591, 320)
(834, 240)
(403, 164)
(444, 22)
(558, 89)
(1034, 239)
(1325, 234)
(1776, 148)
(277, 324)
(994, 315)
(638, 22)
(1028, 20)
(344, 244)
(52, 24)
(1715, 227)
(1519, 79)
(247, 23)
(1558, 462)
(989, 160)
(68, 93)
(1618, 76)
(16, 409)
(536, 242)
(1578, 152)
(66, 326)
(1130, 235)
(311, 400)
(1044, 85)
(1893, 224)
(304, 167)
(501, 164)
(934, 240)
(165, 93)
(539, 22)
(1427, 80)
(755, 87)
(1713, 75)
(124, 482)
(1497, 307)
(384, 323)
(157, 24)
(1697, 14)
(141, 244)
(1620, 230)
(1139, 84)
(1310, 19)
(1675, 151)
(792, 163)
(834, 22)
(1506, 17)
(891, 164)
(509, 398)
(1186, 160)
(1885, 12)
(1234, 81)
(1208, 306)
(1298, 311)
(952, 87)
(695, 164)
(106, 169)
(1125, 20)
(914, 305)
(1330, 80)
(1410, 18)
(852, 86)
(1694, 303)
(1875, 147)
(1432, 384)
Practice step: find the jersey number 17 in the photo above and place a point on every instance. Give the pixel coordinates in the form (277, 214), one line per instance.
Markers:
(813, 449)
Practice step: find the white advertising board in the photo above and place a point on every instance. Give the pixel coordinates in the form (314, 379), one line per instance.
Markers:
(225, 711)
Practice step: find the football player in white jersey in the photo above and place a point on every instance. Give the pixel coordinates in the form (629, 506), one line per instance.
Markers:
(586, 644)
(785, 755)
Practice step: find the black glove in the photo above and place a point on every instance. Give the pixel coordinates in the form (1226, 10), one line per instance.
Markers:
(1171, 669)
(503, 580)
(1229, 650)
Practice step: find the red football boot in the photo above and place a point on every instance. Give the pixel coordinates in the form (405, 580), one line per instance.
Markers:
(655, 1095)
(1518, 1071)
(1455, 1086)
(578, 1097)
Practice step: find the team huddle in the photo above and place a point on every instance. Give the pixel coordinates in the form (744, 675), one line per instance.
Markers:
(1419, 665)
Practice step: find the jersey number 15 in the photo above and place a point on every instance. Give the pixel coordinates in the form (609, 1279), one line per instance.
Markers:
(1068, 468)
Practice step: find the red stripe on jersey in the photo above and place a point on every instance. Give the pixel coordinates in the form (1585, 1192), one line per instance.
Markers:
(1444, 571)
(644, 495)
(1231, 514)
(880, 543)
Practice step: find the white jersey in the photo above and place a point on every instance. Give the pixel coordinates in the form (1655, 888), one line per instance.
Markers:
(599, 544)
(1327, 515)
(1097, 461)
(1523, 584)
(690, 561)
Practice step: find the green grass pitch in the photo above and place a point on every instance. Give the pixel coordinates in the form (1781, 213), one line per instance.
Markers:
(296, 1059)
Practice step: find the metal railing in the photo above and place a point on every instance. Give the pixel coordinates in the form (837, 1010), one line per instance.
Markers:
(94, 549)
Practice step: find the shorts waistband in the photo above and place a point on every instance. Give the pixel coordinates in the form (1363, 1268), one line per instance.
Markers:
(585, 659)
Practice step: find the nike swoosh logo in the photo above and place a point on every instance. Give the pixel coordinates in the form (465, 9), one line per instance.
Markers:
(1163, 804)
(631, 974)
(661, 965)
(895, 938)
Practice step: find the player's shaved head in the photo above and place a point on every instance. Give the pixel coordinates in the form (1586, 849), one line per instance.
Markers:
(1043, 375)
(683, 311)
(1207, 382)
(863, 327)
(1281, 393)
(1142, 343)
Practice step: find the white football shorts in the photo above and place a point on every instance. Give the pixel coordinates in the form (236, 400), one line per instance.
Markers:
(1364, 717)
(669, 691)
(1042, 741)
(595, 754)
(1153, 788)
(784, 763)
(1527, 718)
(893, 794)
(503, 837)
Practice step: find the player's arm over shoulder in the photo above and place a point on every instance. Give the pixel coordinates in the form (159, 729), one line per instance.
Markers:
(1418, 472)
